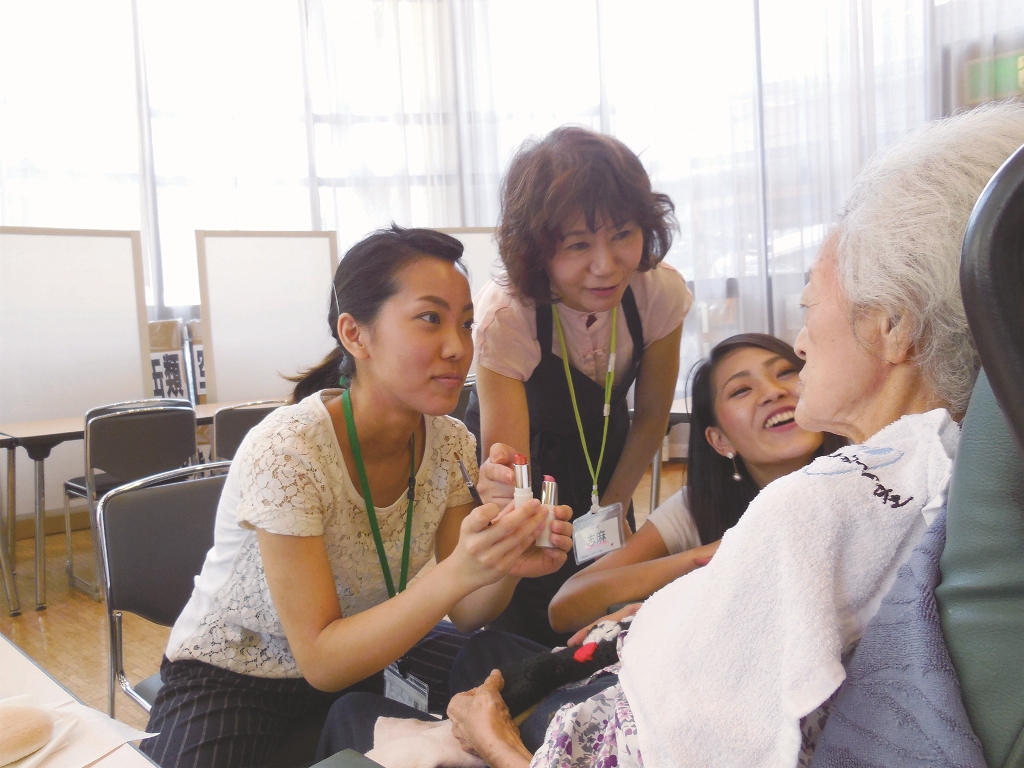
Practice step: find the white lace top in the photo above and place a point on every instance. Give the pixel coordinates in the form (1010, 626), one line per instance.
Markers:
(289, 477)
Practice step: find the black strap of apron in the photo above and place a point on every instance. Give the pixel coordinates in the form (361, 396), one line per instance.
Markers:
(636, 328)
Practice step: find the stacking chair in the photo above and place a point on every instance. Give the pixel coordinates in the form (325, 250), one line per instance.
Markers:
(154, 536)
(232, 423)
(127, 441)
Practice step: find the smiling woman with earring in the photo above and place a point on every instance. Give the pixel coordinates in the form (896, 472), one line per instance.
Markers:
(742, 437)
(331, 507)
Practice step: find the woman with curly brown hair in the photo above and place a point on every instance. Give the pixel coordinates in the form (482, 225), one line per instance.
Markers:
(585, 309)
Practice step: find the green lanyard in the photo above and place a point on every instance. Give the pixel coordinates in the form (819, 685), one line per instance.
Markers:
(357, 456)
(609, 377)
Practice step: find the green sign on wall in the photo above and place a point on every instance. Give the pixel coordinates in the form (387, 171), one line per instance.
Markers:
(995, 78)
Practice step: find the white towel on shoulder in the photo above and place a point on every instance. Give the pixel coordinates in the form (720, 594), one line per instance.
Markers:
(721, 664)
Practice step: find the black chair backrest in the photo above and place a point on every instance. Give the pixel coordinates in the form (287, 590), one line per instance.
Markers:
(992, 283)
(231, 425)
(155, 539)
(134, 443)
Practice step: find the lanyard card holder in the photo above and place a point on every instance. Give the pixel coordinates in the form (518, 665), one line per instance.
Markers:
(405, 689)
(597, 533)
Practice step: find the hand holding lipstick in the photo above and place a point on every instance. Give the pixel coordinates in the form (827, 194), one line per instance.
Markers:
(497, 480)
(497, 485)
(540, 561)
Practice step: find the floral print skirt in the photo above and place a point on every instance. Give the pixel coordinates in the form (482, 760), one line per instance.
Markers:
(597, 733)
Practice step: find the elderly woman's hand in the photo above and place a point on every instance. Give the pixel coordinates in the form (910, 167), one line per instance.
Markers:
(483, 726)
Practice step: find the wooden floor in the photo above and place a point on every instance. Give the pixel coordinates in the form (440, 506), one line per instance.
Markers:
(69, 638)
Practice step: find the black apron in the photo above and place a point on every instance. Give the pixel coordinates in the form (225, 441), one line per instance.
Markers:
(555, 450)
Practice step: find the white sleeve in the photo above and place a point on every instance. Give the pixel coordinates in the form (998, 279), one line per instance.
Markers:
(281, 488)
(674, 522)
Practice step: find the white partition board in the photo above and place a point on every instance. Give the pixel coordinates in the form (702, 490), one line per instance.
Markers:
(73, 335)
(480, 255)
(264, 309)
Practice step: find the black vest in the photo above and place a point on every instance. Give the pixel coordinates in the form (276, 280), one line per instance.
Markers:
(555, 450)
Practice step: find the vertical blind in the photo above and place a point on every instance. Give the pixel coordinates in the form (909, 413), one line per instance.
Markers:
(753, 115)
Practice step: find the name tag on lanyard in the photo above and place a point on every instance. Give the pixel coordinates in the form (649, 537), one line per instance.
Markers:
(597, 533)
(405, 689)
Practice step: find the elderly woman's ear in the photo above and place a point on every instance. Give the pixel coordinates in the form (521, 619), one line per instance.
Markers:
(894, 337)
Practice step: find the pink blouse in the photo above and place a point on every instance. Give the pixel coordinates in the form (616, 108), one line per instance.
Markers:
(506, 334)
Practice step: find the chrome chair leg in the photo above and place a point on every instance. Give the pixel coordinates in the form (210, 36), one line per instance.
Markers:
(11, 511)
(8, 576)
(69, 565)
(118, 678)
(115, 662)
(97, 585)
(7, 542)
(93, 589)
(40, 479)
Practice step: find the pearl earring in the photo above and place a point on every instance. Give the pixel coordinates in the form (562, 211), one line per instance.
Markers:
(735, 470)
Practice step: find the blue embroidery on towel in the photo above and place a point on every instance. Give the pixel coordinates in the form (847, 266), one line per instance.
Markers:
(873, 458)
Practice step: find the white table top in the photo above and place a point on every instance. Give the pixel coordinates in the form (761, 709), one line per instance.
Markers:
(73, 427)
(22, 675)
(681, 406)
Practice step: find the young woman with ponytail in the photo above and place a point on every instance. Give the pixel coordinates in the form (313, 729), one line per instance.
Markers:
(331, 507)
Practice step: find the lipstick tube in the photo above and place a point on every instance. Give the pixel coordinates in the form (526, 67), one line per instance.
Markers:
(521, 465)
(524, 488)
(548, 496)
(549, 491)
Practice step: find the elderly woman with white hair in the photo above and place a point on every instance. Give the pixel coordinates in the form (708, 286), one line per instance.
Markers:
(734, 664)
